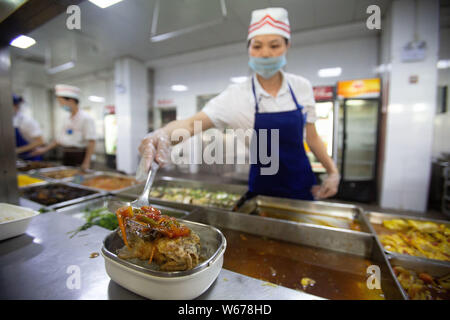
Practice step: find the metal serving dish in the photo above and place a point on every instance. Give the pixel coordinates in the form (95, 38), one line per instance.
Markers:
(335, 215)
(345, 254)
(46, 172)
(80, 179)
(77, 209)
(33, 166)
(433, 268)
(184, 183)
(33, 204)
(154, 284)
(375, 221)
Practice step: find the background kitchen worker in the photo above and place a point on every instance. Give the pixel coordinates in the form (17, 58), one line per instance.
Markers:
(27, 130)
(270, 99)
(77, 138)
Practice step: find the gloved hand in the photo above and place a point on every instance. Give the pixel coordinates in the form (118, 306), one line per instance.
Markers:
(328, 188)
(155, 146)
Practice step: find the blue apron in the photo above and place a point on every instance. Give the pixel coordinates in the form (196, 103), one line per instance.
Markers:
(20, 141)
(295, 176)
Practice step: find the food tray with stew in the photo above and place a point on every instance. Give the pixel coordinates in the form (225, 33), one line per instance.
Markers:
(327, 214)
(61, 173)
(25, 166)
(54, 195)
(106, 181)
(322, 261)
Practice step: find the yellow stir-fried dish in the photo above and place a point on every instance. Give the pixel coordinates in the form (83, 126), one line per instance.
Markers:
(417, 238)
(25, 180)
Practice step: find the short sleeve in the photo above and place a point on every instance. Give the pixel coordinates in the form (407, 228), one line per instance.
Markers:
(308, 101)
(89, 129)
(219, 108)
(30, 128)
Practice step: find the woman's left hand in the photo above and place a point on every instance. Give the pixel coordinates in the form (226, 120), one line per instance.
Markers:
(328, 188)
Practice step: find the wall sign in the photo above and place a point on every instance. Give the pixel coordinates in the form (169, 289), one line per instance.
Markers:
(414, 51)
(322, 93)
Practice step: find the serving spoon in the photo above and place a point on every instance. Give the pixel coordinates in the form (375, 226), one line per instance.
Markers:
(143, 198)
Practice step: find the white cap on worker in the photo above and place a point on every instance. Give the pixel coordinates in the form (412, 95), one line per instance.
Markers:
(269, 21)
(66, 91)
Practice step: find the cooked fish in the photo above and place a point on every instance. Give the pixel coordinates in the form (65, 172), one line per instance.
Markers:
(157, 238)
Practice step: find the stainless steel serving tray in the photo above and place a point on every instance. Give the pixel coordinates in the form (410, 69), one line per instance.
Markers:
(79, 181)
(339, 240)
(20, 164)
(378, 218)
(184, 183)
(432, 267)
(41, 173)
(334, 214)
(37, 206)
(76, 210)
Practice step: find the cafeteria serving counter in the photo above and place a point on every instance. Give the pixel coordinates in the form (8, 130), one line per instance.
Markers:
(44, 263)
(273, 246)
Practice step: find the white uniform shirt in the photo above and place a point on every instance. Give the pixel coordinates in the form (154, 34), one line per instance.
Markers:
(78, 130)
(28, 127)
(235, 107)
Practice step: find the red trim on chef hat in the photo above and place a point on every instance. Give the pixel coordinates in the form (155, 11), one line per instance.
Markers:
(64, 90)
(269, 21)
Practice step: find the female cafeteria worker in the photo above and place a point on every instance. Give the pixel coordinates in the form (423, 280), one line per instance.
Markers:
(271, 99)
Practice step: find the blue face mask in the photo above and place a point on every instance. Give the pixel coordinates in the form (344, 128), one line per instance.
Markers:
(67, 108)
(267, 67)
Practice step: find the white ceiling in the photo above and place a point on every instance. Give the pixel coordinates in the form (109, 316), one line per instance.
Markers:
(124, 28)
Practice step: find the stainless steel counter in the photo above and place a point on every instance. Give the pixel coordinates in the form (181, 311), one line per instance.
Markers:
(37, 265)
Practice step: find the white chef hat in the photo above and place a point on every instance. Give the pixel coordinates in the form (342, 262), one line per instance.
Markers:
(269, 21)
(66, 91)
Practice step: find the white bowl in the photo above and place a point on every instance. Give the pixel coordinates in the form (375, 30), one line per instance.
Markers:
(14, 220)
(162, 285)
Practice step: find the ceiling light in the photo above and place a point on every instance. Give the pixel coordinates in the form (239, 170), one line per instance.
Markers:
(96, 99)
(179, 87)
(104, 3)
(23, 42)
(61, 67)
(443, 64)
(329, 72)
(238, 79)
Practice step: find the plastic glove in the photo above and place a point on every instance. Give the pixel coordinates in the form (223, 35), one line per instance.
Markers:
(155, 146)
(328, 188)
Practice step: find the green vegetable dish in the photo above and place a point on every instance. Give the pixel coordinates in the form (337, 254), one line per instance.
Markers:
(219, 199)
(98, 217)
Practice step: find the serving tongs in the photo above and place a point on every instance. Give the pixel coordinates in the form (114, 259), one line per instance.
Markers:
(143, 198)
(247, 196)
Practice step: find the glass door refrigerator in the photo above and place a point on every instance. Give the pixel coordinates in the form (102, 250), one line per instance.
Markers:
(357, 143)
(325, 124)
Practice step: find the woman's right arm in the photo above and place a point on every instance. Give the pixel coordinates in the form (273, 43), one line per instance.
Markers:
(156, 145)
(200, 118)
